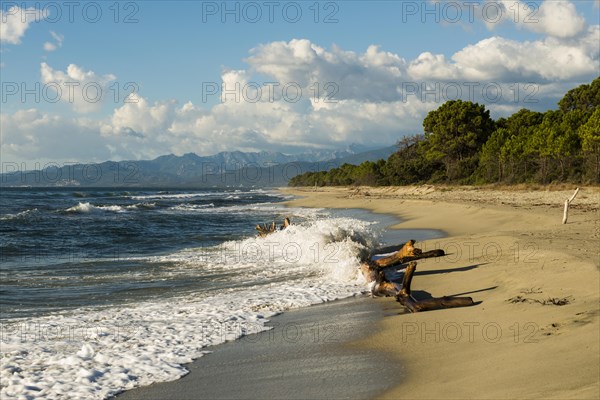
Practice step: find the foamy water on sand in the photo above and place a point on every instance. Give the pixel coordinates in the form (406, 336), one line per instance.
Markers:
(189, 299)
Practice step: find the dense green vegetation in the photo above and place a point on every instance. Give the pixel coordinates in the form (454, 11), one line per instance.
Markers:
(462, 144)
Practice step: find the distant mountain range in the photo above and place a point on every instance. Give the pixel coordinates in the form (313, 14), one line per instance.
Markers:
(225, 169)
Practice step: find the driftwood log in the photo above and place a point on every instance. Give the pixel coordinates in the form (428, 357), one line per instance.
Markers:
(373, 271)
(405, 298)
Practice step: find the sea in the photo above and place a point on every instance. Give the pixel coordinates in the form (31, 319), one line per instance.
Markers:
(104, 290)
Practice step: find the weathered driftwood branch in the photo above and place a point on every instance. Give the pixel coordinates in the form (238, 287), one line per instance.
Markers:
(265, 229)
(567, 204)
(373, 272)
(373, 269)
(406, 254)
(574, 194)
(407, 250)
(405, 259)
(405, 298)
(407, 280)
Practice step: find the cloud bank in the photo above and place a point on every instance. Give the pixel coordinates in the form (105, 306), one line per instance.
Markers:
(296, 95)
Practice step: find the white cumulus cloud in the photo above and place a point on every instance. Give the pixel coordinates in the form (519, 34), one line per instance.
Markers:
(556, 18)
(15, 21)
(508, 60)
(84, 90)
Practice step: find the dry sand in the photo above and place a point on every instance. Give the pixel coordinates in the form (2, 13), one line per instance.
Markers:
(509, 251)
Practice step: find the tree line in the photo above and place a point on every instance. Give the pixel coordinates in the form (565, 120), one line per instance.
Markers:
(462, 144)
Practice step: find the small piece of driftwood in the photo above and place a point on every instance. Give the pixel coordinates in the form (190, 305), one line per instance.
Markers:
(567, 204)
(264, 230)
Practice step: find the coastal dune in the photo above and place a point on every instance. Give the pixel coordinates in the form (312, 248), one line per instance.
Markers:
(534, 330)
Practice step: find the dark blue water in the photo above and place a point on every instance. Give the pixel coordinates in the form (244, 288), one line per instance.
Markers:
(68, 248)
(103, 290)
(62, 248)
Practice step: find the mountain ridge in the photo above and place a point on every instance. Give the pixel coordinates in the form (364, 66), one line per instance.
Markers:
(227, 168)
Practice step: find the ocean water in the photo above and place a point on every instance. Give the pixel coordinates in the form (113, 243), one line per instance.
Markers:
(105, 290)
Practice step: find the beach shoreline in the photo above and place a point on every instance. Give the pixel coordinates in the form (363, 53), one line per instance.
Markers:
(506, 249)
(306, 345)
(535, 330)
(307, 355)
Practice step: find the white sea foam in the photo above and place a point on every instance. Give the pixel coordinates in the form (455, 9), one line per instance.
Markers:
(271, 193)
(190, 207)
(87, 207)
(254, 208)
(95, 353)
(175, 196)
(22, 214)
(236, 194)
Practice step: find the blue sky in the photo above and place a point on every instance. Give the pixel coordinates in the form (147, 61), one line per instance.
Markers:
(368, 56)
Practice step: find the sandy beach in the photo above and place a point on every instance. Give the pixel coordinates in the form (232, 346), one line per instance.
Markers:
(534, 331)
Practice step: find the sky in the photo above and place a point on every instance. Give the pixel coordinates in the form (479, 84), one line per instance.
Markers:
(91, 81)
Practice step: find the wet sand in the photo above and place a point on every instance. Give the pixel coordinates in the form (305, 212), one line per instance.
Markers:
(308, 355)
